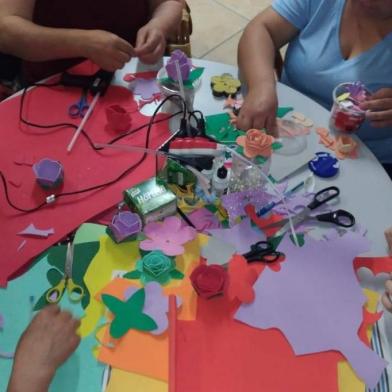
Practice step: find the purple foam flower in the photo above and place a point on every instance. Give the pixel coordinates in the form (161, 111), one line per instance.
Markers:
(168, 236)
(124, 225)
(49, 173)
(183, 62)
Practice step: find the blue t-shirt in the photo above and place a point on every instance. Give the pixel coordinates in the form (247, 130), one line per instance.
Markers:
(314, 64)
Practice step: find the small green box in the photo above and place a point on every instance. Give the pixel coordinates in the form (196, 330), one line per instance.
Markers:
(151, 199)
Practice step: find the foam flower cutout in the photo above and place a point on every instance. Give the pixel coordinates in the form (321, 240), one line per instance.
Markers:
(204, 219)
(256, 143)
(168, 236)
(124, 226)
(128, 315)
(225, 85)
(184, 63)
(242, 276)
(155, 266)
(156, 305)
(209, 280)
(49, 173)
(118, 118)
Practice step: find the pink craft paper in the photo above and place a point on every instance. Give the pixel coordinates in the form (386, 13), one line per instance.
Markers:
(168, 236)
(204, 219)
(241, 236)
(316, 301)
(84, 167)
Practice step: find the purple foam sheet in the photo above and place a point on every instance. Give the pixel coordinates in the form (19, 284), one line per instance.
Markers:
(146, 88)
(242, 236)
(156, 305)
(235, 202)
(317, 302)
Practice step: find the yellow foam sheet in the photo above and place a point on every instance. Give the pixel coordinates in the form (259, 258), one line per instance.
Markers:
(113, 257)
(348, 380)
(110, 257)
(141, 352)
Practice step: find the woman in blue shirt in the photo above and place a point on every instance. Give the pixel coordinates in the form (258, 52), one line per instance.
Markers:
(330, 42)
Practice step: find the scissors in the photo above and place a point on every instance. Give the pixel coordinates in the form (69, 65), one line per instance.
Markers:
(79, 108)
(340, 218)
(262, 251)
(75, 291)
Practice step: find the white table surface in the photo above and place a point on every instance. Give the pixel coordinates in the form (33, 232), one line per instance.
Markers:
(366, 190)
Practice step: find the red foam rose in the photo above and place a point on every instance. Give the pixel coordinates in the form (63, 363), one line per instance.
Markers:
(209, 280)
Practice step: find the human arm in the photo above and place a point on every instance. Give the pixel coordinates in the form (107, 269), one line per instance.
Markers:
(379, 108)
(151, 38)
(45, 345)
(21, 37)
(261, 39)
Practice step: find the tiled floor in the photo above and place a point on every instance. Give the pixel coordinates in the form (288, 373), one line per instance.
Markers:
(218, 25)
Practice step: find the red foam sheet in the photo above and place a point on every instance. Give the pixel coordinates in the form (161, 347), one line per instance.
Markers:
(376, 264)
(216, 353)
(83, 167)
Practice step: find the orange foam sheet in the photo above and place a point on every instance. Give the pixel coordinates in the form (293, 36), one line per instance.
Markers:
(141, 352)
(217, 353)
(83, 167)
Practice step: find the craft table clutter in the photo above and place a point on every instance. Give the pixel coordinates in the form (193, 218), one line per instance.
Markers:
(198, 257)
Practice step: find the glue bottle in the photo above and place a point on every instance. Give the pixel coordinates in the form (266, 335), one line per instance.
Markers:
(208, 172)
(220, 181)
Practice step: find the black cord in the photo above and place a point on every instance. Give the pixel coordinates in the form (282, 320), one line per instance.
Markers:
(185, 218)
(95, 187)
(73, 126)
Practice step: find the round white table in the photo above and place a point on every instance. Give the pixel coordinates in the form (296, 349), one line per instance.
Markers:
(365, 188)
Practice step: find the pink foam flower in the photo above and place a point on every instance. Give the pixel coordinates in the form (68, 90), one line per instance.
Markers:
(168, 236)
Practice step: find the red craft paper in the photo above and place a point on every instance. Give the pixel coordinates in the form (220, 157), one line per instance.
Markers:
(216, 353)
(83, 167)
(242, 276)
(375, 264)
(263, 222)
(368, 320)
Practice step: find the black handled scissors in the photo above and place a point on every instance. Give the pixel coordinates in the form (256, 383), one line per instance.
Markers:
(340, 218)
(262, 251)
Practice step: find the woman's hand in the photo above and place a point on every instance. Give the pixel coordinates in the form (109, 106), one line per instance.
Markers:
(150, 43)
(259, 110)
(379, 108)
(45, 345)
(107, 50)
